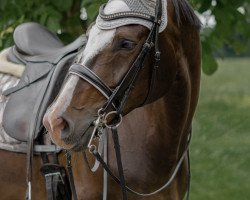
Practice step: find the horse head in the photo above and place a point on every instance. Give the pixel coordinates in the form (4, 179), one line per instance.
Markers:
(109, 54)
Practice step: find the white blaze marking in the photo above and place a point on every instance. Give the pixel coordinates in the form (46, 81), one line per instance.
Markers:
(65, 96)
(99, 39)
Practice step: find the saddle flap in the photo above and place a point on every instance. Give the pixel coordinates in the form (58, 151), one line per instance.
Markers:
(19, 109)
(32, 73)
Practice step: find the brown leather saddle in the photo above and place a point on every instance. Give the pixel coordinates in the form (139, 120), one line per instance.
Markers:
(47, 61)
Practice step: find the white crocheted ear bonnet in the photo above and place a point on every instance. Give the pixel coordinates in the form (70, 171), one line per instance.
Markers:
(142, 6)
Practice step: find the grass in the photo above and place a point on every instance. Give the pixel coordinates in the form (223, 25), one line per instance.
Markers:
(220, 150)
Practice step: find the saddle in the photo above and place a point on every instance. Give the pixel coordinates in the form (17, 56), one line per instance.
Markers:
(46, 62)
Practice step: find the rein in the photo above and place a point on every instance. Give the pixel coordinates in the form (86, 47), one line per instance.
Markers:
(93, 150)
(118, 97)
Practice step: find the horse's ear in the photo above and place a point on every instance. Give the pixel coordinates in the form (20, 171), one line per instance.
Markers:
(89, 28)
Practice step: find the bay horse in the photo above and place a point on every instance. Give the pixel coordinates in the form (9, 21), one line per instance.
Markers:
(152, 138)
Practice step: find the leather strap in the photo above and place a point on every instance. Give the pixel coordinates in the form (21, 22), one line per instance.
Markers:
(89, 76)
(49, 187)
(124, 89)
(102, 150)
(119, 162)
(169, 181)
(71, 176)
(30, 151)
(105, 158)
(56, 181)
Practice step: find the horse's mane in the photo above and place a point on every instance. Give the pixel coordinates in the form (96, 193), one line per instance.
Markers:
(184, 12)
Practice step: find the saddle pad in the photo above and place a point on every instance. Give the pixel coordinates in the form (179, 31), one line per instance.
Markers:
(9, 67)
(6, 142)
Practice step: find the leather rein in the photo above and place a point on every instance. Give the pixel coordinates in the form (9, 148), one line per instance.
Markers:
(118, 97)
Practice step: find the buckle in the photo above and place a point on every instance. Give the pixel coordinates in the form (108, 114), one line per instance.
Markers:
(55, 174)
(158, 56)
(50, 170)
(157, 59)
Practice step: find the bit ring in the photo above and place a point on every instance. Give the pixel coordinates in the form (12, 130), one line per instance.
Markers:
(116, 124)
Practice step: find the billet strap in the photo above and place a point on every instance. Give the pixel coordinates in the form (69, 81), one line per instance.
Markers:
(56, 181)
(50, 187)
(71, 176)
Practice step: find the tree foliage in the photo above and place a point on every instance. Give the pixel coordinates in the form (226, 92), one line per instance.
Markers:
(58, 16)
(231, 28)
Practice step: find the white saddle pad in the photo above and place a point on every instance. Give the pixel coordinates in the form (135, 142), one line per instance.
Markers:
(8, 67)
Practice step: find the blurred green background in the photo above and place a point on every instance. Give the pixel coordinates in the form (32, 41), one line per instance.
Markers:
(220, 150)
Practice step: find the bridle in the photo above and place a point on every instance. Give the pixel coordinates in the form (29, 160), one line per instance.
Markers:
(118, 97)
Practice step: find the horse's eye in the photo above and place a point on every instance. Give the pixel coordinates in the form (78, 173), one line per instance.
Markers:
(127, 45)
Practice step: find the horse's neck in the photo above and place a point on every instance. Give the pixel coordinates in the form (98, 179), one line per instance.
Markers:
(153, 138)
(162, 125)
(165, 122)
